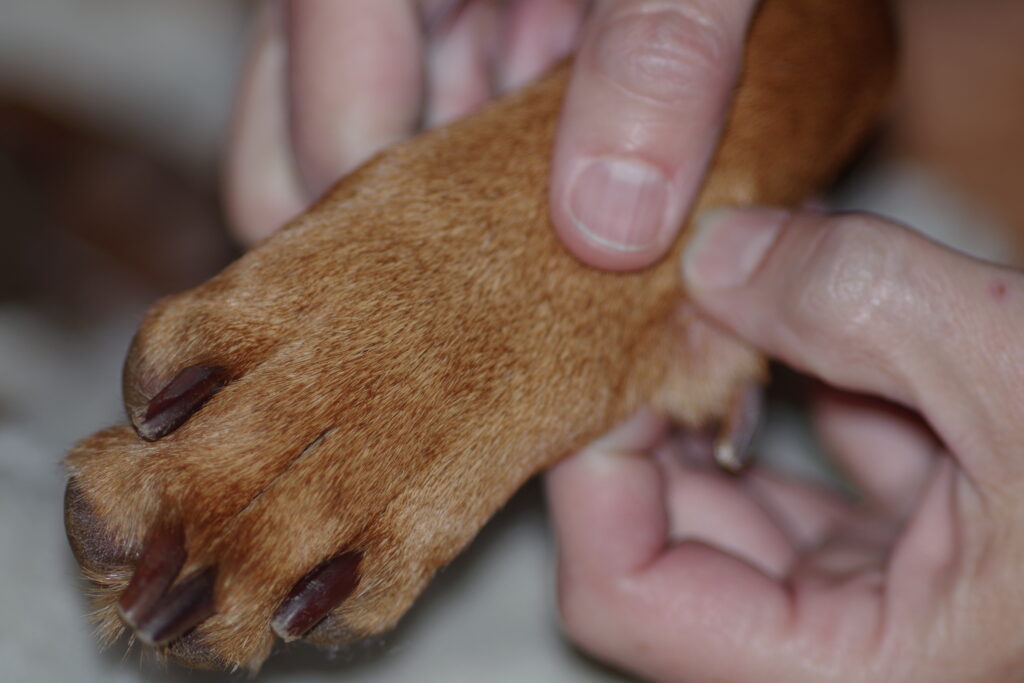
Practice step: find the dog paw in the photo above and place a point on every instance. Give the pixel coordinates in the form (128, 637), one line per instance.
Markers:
(319, 428)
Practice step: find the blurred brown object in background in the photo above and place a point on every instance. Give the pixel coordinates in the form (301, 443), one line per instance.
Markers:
(93, 222)
(961, 100)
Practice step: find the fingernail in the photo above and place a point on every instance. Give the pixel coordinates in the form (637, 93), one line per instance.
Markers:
(316, 594)
(163, 554)
(181, 609)
(621, 204)
(728, 245)
(183, 395)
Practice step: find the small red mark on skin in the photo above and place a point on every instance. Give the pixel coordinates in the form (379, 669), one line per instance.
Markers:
(998, 290)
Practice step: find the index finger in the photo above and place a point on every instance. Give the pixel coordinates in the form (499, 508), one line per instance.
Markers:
(355, 82)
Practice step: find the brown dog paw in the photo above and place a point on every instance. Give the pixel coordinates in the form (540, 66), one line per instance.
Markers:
(319, 428)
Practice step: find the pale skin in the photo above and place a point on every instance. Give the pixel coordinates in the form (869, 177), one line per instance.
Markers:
(669, 568)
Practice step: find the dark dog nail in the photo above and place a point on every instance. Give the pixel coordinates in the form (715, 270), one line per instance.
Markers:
(185, 394)
(732, 448)
(180, 609)
(316, 594)
(163, 553)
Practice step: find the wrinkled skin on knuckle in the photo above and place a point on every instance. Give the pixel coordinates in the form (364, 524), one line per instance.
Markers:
(853, 289)
(670, 56)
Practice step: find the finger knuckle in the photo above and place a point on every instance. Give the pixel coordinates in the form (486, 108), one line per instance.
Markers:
(579, 612)
(670, 55)
(853, 286)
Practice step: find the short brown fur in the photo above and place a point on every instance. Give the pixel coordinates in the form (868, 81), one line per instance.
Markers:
(413, 348)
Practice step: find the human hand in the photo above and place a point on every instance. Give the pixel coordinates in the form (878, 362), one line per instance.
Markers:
(676, 571)
(329, 83)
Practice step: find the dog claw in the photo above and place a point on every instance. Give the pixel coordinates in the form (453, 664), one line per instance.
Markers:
(163, 554)
(732, 447)
(183, 395)
(316, 594)
(179, 610)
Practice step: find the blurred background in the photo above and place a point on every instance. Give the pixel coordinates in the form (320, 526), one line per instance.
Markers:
(112, 120)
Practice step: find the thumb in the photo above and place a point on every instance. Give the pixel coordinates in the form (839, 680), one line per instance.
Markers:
(872, 306)
(650, 88)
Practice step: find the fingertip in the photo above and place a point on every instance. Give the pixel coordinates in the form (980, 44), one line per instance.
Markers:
(728, 245)
(609, 521)
(607, 502)
(537, 33)
(459, 64)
